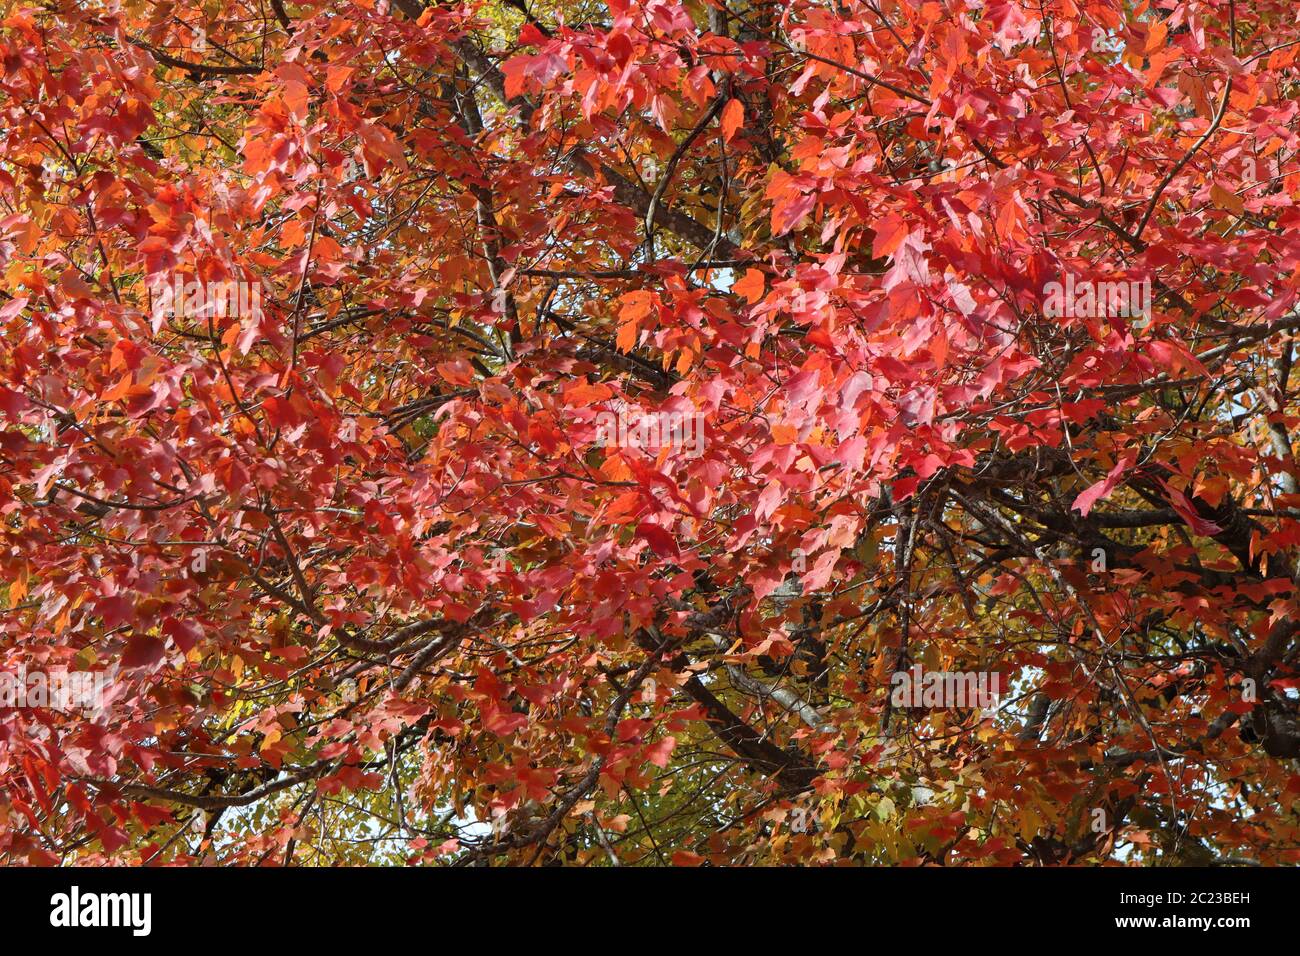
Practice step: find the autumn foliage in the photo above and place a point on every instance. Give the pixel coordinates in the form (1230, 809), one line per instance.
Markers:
(369, 576)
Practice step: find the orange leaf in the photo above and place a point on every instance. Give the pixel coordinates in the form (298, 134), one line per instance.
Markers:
(626, 340)
(733, 117)
(750, 285)
(890, 233)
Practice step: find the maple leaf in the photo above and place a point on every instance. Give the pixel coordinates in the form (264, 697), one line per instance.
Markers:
(733, 117)
(1084, 502)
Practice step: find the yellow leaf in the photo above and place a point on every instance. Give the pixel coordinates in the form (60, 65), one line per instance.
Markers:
(1228, 200)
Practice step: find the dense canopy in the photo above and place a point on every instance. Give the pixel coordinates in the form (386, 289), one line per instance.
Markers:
(540, 431)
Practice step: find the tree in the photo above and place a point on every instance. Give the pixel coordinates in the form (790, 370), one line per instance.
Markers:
(552, 432)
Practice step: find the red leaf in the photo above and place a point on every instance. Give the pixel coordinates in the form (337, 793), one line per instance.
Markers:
(659, 753)
(143, 651)
(659, 538)
(11, 403)
(1094, 493)
(1187, 511)
(185, 633)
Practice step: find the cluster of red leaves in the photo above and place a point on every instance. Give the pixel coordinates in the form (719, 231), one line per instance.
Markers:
(371, 581)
